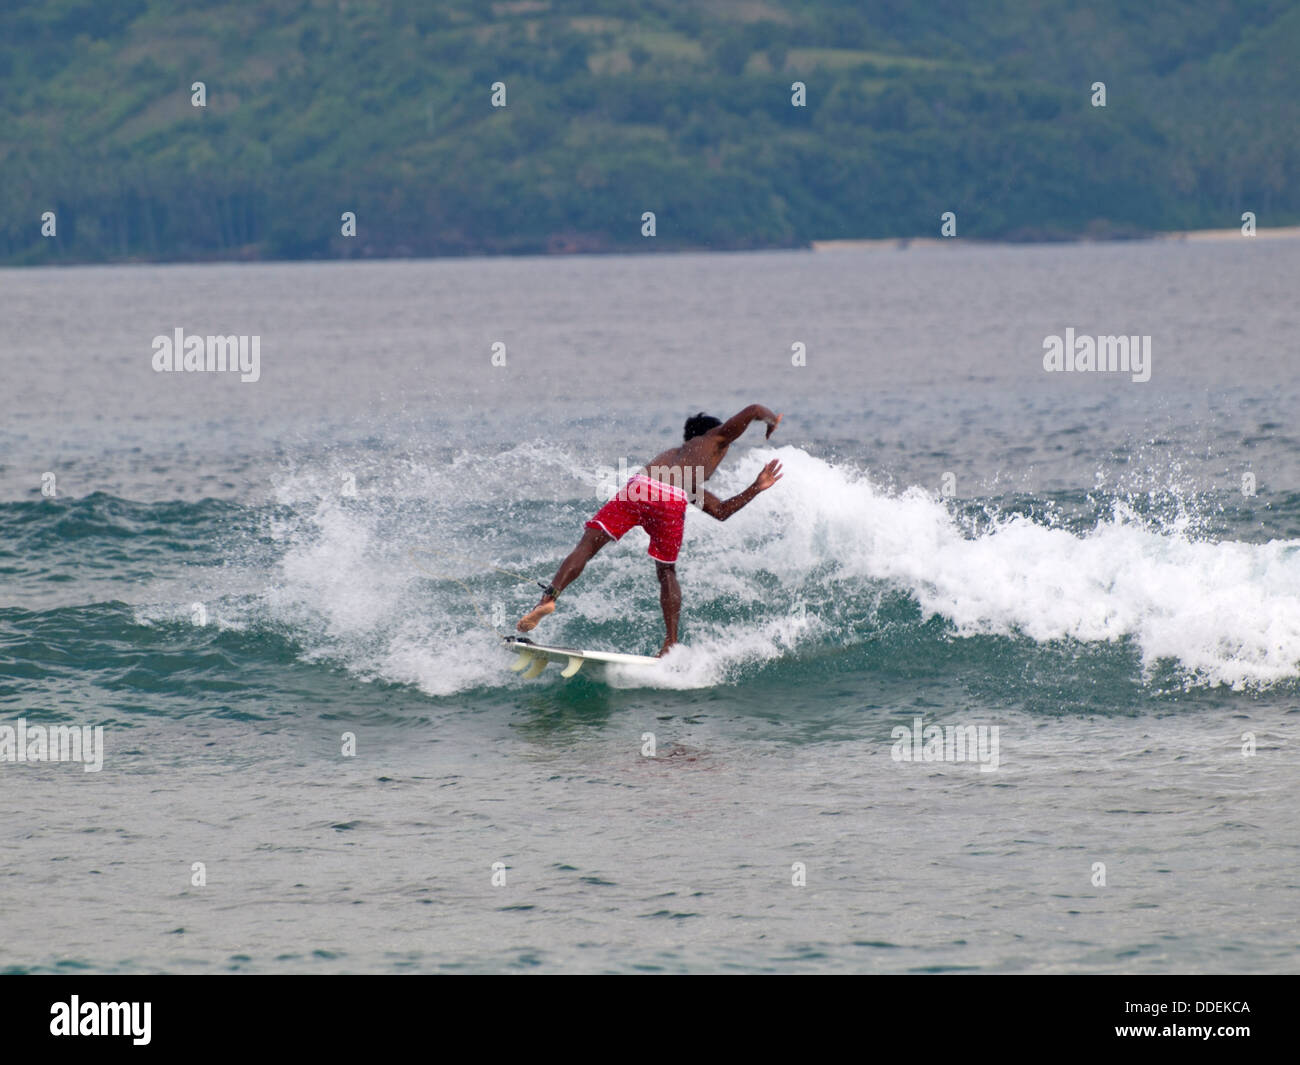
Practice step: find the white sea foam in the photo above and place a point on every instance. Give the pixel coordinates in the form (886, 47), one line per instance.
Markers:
(1226, 613)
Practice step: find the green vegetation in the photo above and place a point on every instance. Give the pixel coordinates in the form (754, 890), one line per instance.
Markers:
(616, 107)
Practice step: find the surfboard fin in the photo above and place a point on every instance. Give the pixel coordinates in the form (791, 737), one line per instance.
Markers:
(571, 667)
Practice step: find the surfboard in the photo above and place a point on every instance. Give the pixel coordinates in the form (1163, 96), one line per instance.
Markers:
(535, 657)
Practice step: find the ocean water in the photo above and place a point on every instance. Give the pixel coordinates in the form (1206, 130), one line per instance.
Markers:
(231, 578)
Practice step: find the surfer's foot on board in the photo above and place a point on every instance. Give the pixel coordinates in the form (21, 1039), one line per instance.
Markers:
(529, 621)
(668, 646)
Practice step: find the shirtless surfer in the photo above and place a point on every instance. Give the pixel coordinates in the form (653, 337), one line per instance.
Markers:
(655, 498)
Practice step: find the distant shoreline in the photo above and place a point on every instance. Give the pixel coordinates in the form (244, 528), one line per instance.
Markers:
(254, 253)
(903, 243)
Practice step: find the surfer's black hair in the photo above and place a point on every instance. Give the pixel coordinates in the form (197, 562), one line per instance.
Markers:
(700, 424)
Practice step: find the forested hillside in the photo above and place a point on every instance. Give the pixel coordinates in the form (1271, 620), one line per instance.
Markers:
(619, 107)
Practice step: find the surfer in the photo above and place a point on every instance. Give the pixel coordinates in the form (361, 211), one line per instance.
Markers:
(655, 498)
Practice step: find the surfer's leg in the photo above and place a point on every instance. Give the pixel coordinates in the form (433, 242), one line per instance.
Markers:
(670, 599)
(592, 541)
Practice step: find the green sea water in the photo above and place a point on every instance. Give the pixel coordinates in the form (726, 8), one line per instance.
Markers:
(276, 597)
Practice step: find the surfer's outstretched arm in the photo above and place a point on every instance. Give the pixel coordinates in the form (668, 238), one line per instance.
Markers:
(734, 427)
(722, 509)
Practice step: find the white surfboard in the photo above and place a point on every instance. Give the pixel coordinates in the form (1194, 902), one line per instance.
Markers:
(535, 657)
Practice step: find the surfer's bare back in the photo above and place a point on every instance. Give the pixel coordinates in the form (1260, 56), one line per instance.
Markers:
(655, 498)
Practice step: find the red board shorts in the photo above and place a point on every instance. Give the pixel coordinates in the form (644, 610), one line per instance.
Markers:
(659, 508)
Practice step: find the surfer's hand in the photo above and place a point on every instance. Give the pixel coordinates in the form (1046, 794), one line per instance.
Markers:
(769, 475)
(771, 426)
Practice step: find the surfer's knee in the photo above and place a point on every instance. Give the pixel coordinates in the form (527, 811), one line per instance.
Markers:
(666, 571)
